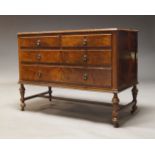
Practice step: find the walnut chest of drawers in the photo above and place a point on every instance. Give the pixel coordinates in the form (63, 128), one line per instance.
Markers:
(99, 59)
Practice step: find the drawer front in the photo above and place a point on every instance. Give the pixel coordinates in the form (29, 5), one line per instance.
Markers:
(90, 58)
(53, 57)
(39, 42)
(90, 41)
(69, 57)
(88, 77)
(40, 73)
(77, 76)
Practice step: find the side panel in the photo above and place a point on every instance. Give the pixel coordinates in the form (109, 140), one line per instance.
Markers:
(127, 58)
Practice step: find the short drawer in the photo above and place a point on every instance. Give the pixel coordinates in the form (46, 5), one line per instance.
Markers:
(89, 41)
(53, 57)
(40, 73)
(89, 77)
(78, 76)
(39, 42)
(92, 58)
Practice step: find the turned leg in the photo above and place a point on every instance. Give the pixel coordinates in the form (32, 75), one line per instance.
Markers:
(50, 93)
(22, 93)
(134, 95)
(115, 110)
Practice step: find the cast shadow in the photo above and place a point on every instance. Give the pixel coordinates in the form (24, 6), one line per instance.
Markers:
(86, 110)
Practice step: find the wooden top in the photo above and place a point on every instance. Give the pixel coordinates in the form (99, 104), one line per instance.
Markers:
(81, 30)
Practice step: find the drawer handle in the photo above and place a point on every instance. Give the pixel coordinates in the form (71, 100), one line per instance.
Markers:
(39, 74)
(85, 42)
(85, 58)
(38, 56)
(85, 76)
(38, 43)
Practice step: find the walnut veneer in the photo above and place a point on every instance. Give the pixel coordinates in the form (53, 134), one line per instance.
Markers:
(99, 59)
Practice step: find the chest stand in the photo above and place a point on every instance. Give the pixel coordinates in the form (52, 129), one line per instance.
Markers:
(116, 106)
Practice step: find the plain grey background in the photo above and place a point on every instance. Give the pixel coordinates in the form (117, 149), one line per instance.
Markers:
(11, 25)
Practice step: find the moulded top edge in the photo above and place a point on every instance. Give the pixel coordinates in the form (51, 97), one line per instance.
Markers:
(74, 31)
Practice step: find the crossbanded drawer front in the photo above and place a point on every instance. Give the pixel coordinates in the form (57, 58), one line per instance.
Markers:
(51, 57)
(68, 57)
(78, 76)
(89, 41)
(40, 73)
(90, 58)
(39, 42)
(88, 77)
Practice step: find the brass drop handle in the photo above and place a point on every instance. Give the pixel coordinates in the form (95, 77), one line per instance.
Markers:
(38, 56)
(84, 42)
(85, 58)
(85, 76)
(38, 42)
(39, 74)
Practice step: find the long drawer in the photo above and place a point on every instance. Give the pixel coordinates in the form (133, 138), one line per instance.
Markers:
(66, 41)
(86, 76)
(70, 57)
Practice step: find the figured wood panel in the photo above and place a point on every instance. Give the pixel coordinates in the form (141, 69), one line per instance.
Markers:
(72, 57)
(72, 40)
(90, 77)
(68, 57)
(53, 57)
(99, 58)
(127, 59)
(39, 42)
(99, 40)
(40, 73)
(89, 41)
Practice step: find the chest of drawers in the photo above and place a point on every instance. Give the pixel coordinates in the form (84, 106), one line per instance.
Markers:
(100, 60)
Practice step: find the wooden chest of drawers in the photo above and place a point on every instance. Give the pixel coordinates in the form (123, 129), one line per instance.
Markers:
(99, 59)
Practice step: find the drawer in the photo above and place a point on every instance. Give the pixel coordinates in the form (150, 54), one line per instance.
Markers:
(40, 73)
(53, 57)
(89, 77)
(39, 42)
(90, 41)
(78, 76)
(69, 57)
(92, 58)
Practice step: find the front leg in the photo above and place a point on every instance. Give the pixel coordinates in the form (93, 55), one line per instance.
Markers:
(115, 110)
(134, 95)
(22, 99)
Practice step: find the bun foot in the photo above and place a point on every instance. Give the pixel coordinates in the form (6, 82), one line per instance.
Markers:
(115, 122)
(134, 108)
(116, 125)
(22, 107)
